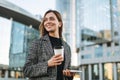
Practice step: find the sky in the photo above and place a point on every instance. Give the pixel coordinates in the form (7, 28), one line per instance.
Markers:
(35, 7)
(4, 40)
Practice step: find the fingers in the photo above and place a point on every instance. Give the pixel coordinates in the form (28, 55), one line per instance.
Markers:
(57, 55)
(55, 60)
(68, 73)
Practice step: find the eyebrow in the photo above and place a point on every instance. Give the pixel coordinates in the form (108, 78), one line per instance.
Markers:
(49, 17)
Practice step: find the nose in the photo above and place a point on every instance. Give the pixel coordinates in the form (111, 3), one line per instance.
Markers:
(48, 21)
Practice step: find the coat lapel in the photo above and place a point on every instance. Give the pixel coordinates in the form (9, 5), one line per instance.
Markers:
(48, 46)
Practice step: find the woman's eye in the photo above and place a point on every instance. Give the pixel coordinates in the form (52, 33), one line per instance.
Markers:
(44, 20)
(51, 18)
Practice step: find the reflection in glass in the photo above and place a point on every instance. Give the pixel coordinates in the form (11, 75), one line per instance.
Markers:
(96, 21)
(12, 74)
(86, 73)
(21, 38)
(118, 71)
(2, 73)
(98, 51)
(86, 56)
(17, 36)
(108, 71)
(95, 72)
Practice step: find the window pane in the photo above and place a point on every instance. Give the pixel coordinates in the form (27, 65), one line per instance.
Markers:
(108, 71)
(118, 71)
(95, 72)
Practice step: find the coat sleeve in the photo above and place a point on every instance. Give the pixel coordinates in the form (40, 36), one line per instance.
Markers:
(69, 65)
(69, 50)
(32, 67)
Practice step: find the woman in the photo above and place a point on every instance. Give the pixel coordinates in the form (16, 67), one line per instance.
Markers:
(41, 63)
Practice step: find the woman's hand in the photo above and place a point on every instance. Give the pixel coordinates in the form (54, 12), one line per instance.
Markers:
(55, 60)
(68, 73)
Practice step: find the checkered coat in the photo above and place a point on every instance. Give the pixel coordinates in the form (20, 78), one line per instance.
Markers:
(40, 52)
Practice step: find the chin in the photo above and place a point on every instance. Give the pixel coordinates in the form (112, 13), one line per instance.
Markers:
(50, 30)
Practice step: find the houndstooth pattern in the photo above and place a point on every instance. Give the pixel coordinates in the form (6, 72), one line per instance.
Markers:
(40, 52)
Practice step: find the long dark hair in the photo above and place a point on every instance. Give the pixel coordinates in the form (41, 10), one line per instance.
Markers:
(43, 30)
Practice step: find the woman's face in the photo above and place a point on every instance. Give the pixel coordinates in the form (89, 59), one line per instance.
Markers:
(51, 23)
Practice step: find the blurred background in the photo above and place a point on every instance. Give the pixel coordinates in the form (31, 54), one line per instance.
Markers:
(91, 28)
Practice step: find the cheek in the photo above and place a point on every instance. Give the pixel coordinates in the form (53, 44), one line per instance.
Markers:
(44, 24)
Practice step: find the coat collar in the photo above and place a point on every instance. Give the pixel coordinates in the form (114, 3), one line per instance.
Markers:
(48, 45)
(46, 37)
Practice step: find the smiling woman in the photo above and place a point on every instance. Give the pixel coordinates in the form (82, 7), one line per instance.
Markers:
(5, 30)
(41, 62)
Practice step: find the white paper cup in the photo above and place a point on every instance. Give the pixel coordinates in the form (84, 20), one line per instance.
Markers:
(59, 50)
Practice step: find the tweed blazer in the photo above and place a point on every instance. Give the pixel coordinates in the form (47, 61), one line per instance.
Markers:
(36, 66)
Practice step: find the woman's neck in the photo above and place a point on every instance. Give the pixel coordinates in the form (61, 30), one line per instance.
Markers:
(54, 35)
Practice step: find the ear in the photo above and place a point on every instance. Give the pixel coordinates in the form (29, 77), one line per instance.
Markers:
(60, 24)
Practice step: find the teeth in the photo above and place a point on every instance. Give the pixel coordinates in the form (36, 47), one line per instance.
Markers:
(49, 24)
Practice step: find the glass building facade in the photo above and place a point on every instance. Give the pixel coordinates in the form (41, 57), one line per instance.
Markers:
(118, 71)
(95, 21)
(95, 72)
(21, 37)
(22, 28)
(108, 71)
(97, 25)
(100, 39)
(86, 72)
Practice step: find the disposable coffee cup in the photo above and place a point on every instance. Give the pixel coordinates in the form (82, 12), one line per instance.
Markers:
(59, 50)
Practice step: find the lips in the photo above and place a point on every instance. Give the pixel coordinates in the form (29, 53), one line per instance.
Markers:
(49, 24)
